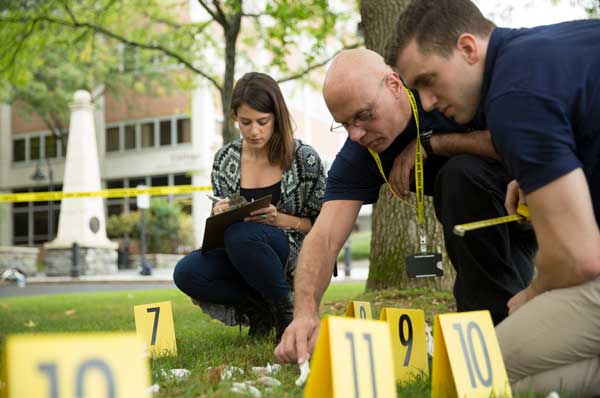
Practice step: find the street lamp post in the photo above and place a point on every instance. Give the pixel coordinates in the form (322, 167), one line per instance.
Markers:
(143, 203)
(38, 175)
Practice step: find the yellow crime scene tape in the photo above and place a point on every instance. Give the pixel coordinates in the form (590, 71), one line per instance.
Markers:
(522, 214)
(104, 193)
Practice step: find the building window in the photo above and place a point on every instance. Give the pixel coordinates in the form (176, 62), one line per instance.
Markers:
(40, 223)
(147, 135)
(184, 134)
(20, 225)
(114, 208)
(134, 182)
(182, 179)
(64, 139)
(112, 139)
(115, 184)
(165, 132)
(130, 136)
(159, 181)
(31, 224)
(34, 148)
(130, 60)
(19, 150)
(50, 146)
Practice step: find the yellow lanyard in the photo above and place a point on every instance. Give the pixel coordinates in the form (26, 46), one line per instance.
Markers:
(418, 167)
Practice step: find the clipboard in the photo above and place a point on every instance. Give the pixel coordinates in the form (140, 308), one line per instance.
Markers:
(215, 226)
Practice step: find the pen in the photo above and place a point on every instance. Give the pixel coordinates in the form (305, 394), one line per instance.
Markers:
(213, 198)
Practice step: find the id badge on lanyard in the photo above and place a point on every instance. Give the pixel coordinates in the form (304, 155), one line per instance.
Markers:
(424, 263)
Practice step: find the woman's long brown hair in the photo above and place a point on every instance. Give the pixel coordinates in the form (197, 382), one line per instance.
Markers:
(260, 92)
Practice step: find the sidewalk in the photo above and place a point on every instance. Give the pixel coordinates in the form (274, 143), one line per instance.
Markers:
(359, 272)
(129, 280)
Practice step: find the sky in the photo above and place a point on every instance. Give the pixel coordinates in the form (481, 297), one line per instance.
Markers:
(527, 13)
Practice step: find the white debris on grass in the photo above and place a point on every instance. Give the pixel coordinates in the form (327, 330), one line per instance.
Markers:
(269, 381)
(266, 370)
(145, 352)
(245, 388)
(553, 394)
(176, 374)
(30, 324)
(229, 372)
(154, 388)
(304, 372)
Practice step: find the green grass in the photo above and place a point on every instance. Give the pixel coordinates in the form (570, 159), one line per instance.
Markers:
(201, 342)
(360, 246)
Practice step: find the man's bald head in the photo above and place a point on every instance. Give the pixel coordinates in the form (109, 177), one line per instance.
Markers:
(353, 70)
(364, 95)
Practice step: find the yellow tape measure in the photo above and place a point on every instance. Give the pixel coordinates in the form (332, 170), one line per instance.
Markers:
(522, 214)
(104, 193)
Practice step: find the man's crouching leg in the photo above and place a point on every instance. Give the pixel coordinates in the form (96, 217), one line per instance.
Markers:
(494, 263)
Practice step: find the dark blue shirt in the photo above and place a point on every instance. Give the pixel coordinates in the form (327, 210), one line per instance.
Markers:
(541, 98)
(354, 174)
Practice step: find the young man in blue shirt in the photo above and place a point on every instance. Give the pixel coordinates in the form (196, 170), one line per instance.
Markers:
(368, 100)
(539, 91)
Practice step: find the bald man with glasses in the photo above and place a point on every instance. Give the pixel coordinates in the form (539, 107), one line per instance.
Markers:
(369, 102)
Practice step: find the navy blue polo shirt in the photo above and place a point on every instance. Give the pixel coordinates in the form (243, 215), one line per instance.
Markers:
(354, 174)
(541, 98)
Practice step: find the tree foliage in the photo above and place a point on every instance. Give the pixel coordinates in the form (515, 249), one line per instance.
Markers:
(42, 65)
(85, 34)
(166, 227)
(593, 8)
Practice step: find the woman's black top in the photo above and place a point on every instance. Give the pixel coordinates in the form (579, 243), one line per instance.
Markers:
(256, 193)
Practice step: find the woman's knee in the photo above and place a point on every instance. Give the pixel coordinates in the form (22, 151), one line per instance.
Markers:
(180, 272)
(186, 269)
(241, 232)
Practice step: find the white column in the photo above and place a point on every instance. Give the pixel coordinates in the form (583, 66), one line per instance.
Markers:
(204, 131)
(82, 220)
(5, 165)
(100, 124)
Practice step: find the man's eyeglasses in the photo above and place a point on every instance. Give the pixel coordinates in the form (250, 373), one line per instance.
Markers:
(363, 116)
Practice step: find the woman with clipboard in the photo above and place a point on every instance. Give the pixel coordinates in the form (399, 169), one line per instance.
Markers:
(250, 278)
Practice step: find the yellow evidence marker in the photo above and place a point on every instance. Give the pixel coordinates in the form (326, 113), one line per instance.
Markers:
(154, 325)
(466, 357)
(358, 310)
(407, 331)
(94, 365)
(352, 359)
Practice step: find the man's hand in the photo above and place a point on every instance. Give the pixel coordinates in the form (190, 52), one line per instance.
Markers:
(514, 196)
(299, 339)
(404, 164)
(521, 298)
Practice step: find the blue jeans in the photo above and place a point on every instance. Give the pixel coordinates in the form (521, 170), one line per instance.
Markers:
(252, 261)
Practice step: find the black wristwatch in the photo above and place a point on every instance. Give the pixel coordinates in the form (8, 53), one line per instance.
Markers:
(426, 141)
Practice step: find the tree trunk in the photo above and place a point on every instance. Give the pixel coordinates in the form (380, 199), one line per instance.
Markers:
(395, 224)
(231, 32)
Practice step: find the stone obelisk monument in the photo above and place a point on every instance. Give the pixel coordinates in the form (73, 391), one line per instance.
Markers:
(82, 220)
